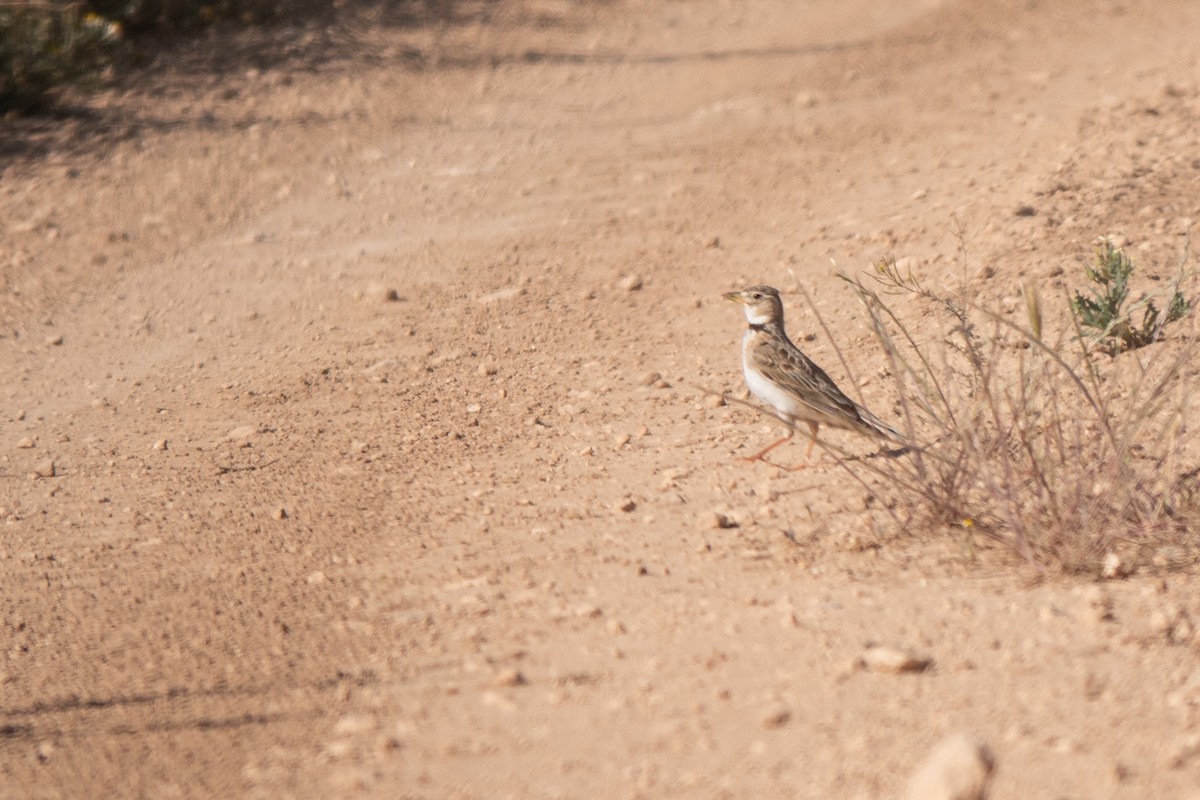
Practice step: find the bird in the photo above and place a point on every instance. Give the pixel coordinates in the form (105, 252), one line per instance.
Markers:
(788, 381)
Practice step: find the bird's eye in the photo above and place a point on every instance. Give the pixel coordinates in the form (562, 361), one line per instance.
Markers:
(757, 295)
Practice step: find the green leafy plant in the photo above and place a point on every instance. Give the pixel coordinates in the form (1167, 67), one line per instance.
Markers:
(1104, 313)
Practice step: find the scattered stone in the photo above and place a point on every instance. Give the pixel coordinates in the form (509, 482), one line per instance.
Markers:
(806, 99)
(159, 444)
(1187, 695)
(358, 447)
(352, 724)
(385, 744)
(497, 700)
(279, 512)
(45, 749)
(1113, 567)
(1095, 604)
(1049, 613)
(20, 415)
(958, 768)
(1094, 685)
(626, 504)
(920, 194)
(649, 378)
(26, 443)
(630, 283)
(44, 469)
(714, 401)
(1025, 211)
(510, 677)
(54, 341)
(242, 432)
(500, 294)
(587, 610)
(337, 749)
(1172, 622)
(384, 364)
(315, 578)
(713, 242)
(378, 293)
(475, 605)
(777, 716)
(1185, 749)
(718, 521)
(671, 476)
(880, 658)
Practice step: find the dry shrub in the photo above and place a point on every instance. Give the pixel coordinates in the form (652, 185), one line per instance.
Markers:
(1063, 455)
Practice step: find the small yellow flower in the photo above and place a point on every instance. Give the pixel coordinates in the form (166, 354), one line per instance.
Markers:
(967, 522)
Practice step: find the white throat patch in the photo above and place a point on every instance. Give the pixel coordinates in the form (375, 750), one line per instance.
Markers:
(756, 316)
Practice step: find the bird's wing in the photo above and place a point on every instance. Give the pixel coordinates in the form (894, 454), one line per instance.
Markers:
(785, 365)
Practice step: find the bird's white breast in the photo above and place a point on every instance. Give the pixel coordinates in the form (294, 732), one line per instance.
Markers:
(764, 389)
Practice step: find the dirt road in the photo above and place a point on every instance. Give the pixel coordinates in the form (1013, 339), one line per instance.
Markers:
(369, 366)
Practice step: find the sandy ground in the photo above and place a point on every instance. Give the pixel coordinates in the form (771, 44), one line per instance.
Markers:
(369, 363)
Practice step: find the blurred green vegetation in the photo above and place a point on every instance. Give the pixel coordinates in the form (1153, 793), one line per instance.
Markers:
(47, 44)
(179, 16)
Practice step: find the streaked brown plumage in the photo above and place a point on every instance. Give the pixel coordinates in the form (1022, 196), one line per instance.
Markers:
(784, 378)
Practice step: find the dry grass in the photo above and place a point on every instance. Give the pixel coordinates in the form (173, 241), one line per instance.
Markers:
(1034, 440)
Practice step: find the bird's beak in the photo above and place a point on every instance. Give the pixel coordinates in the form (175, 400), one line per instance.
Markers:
(735, 297)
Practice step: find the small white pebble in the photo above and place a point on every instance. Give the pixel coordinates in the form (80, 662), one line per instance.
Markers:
(1113, 567)
(649, 378)
(630, 283)
(509, 677)
(880, 658)
(958, 768)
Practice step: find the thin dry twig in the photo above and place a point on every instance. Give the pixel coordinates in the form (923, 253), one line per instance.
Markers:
(224, 470)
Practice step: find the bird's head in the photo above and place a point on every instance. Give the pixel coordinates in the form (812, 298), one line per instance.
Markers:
(762, 304)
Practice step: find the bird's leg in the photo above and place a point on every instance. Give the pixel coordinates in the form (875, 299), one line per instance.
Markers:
(813, 427)
(759, 455)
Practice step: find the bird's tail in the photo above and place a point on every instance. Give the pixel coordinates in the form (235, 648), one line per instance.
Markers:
(881, 428)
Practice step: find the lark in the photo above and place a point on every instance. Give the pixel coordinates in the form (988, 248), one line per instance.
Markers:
(784, 378)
